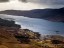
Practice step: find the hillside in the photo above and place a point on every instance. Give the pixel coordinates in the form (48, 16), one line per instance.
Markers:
(11, 36)
(48, 14)
(7, 30)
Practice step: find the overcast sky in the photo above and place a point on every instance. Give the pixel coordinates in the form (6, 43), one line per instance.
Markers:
(30, 4)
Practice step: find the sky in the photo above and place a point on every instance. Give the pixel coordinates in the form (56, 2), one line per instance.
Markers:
(30, 4)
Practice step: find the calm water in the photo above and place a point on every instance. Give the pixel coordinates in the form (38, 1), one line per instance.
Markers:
(38, 25)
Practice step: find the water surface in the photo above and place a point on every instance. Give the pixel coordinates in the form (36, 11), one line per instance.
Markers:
(38, 25)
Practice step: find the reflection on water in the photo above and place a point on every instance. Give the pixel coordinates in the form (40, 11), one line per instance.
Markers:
(37, 25)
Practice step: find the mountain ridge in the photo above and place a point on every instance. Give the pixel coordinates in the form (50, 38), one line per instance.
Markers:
(48, 14)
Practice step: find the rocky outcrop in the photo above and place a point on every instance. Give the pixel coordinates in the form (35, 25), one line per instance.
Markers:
(25, 35)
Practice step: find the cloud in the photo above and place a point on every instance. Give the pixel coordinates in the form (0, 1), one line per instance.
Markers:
(4, 0)
(30, 4)
(23, 0)
(61, 2)
(46, 2)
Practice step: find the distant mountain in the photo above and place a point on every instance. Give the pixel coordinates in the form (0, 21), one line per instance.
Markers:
(48, 14)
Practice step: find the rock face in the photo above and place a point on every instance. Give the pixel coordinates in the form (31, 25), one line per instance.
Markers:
(48, 14)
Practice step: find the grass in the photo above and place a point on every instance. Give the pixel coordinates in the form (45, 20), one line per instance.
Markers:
(32, 44)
